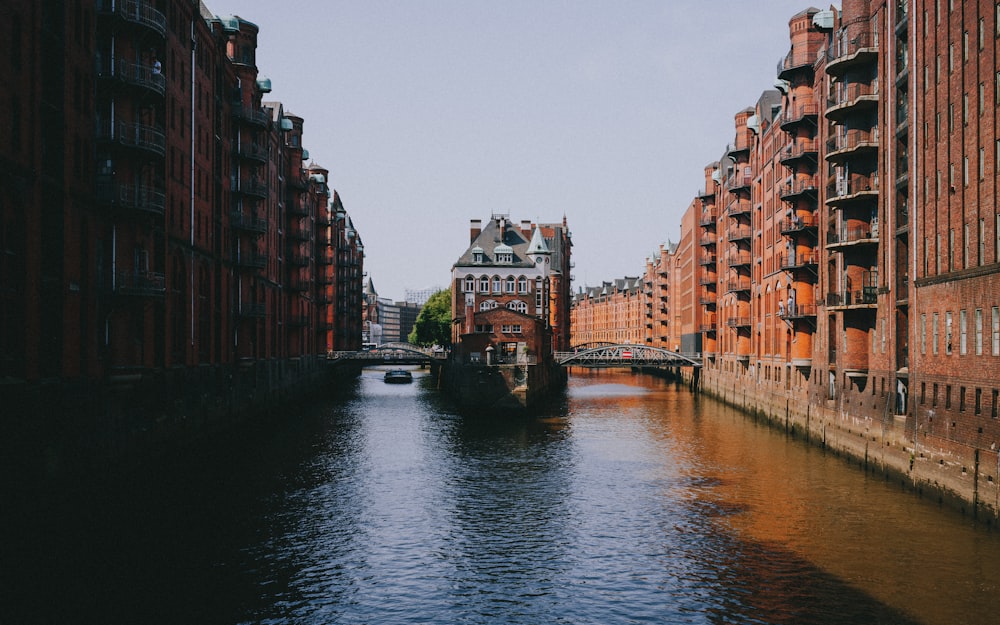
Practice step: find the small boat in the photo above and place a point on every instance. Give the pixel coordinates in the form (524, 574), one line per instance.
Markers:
(398, 376)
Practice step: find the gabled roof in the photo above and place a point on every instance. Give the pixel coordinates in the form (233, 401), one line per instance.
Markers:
(490, 238)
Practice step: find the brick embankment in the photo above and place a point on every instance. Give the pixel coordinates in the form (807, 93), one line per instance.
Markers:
(958, 476)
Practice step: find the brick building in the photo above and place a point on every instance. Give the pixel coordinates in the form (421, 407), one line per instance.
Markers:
(847, 268)
(509, 266)
(157, 223)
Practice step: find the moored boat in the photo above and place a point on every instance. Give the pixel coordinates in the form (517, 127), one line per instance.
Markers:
(398, 376)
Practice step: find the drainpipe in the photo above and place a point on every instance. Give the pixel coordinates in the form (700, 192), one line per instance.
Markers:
(191, 181)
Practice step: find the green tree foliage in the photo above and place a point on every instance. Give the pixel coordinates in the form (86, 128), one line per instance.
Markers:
(433, 326)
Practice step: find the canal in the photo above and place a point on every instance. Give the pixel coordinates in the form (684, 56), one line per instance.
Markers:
(631, 501)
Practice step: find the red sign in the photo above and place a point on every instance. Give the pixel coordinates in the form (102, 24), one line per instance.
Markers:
(627, 354)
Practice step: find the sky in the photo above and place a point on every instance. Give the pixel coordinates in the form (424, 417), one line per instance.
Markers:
(431, 113)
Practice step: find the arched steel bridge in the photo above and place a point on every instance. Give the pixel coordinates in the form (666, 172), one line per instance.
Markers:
(390, 353)
(596, 355)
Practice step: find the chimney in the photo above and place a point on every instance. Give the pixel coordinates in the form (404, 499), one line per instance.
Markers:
(526, 228)
(475, 228)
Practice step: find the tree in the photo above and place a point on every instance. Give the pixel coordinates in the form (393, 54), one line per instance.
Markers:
(433, 325)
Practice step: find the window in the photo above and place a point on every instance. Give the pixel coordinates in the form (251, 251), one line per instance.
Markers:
(947, 395)
(511, 284)
(996, 396)
(979, 401)
(982, 164)
(489, 304)
(522, 285)
(484, 285)
(981, 259)
(518, 305)
(963, 332)
(934, 334)
(961, 399)
(923, 333)
(470, 284)
(996, 331)
(513, 328)
(497, 284)
(947, 333)
(982, 98)
(486, 328)
(979, 332)
(965, 46)
(982, 32)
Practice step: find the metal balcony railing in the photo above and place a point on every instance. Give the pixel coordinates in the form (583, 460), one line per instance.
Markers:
(138, 12)
(140, 284)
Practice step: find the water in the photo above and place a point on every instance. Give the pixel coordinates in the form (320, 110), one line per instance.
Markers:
(632, 502)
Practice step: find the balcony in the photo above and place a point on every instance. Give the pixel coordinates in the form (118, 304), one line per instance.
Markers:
(798, 188)
(794, 61)
(252, 187)
(707, 328)
(799, 151)
(853, 190)
(247, 223)
(845, 53)
(140, 284)
(799, 114)
(852, 98)
(251, 116)
(709, 280)
(738, 286)
(738, 234)
(798, 224)
(855, 143)
(708, 299)
(136, 12)
(708, 240)
(324, 259)
(860, 235)
(705, 195)
(133, 75)
(251, 152)
(707, 218)
(740, 209)
(133, 135)
(858, 299)
(707, 259)
(249, 260)
(738, 322)
(802, 260)
(139, 198)
(796, 311)
(739, 182)
(739, 259)
(740, 148)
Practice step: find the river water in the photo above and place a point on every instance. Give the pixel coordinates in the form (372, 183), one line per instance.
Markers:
(632, 501)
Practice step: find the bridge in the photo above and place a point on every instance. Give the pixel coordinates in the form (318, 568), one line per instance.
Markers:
(390, 353)
(606, 355)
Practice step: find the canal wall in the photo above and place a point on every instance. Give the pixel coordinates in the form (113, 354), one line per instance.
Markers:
(58, 430)
(501, 387)
(958, 476)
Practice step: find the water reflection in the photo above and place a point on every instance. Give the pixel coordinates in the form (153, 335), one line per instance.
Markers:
(631, 501)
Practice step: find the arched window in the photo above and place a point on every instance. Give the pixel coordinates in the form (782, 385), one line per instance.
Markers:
(497, 284)
(484, 284)
(510, 284)
(470, 284)
(518, 305)
(489, 304)
(522, 285)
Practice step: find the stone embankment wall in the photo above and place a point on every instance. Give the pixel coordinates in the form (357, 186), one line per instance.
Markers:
(58, 429)
(958, 476)
(501, 388)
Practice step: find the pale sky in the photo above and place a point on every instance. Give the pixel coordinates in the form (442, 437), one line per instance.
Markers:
(429, 113)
